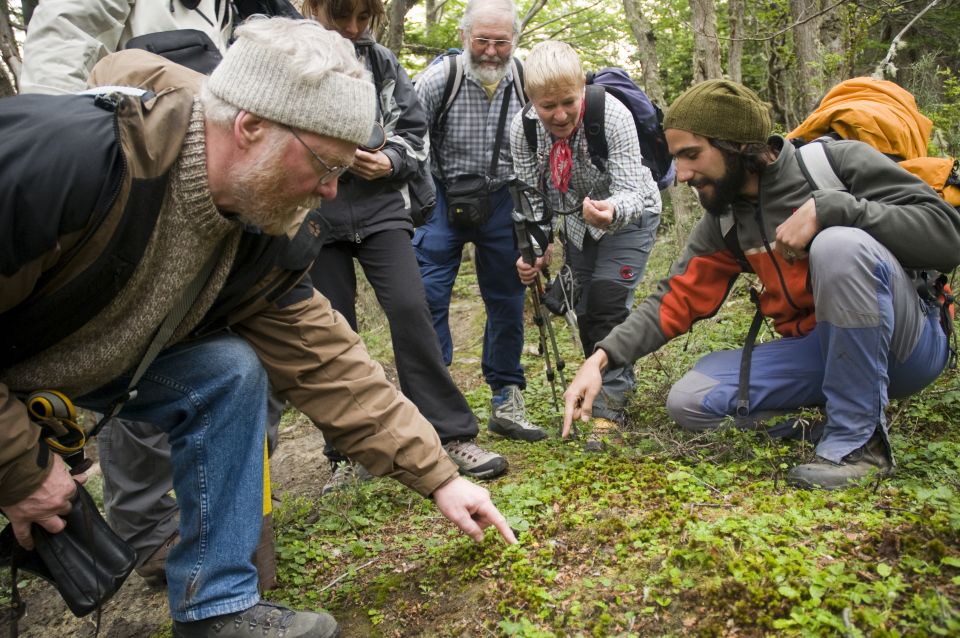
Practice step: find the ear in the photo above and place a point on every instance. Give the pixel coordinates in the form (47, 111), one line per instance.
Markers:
(463, 40)
(248, 129)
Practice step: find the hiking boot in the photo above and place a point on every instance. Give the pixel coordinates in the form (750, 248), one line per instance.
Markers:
(474, 461)
(345, 474)
(154, 570)
(263, 620)
(596, 438)
(508, 416)
(868, 461)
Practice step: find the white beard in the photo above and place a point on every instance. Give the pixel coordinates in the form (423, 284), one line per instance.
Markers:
(487, 75)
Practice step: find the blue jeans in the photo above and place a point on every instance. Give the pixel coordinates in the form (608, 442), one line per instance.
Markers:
(439, 249)
(210, 397)
(874, 339)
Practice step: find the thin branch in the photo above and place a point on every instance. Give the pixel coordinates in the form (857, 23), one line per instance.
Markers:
(892, 51)
(347, 573)
(533, 11)
(563, 17)
(787, 28)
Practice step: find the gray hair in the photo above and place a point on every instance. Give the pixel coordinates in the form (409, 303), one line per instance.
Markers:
(498, 7)
(215, 110)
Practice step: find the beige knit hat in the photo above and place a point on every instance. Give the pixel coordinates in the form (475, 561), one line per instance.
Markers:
(296, 72)
(722, 110)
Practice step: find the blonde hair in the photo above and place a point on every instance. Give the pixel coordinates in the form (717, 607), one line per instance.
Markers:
(551, 65)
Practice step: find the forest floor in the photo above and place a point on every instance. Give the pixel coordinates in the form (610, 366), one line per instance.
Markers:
(662, 533)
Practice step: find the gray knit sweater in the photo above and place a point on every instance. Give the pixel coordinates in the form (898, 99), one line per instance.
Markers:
(188, 229)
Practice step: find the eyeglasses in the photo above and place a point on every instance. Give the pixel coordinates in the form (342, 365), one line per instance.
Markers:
(331, 172)
(500, 45)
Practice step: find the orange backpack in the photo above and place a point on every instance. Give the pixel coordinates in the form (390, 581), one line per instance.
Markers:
(884, 115)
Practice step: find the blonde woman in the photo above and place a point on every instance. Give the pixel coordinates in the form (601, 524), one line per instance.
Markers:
(606, 217)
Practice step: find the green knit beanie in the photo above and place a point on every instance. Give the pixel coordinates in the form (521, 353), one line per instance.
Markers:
(722, 110)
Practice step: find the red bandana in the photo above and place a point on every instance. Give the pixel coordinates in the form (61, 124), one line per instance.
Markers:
(561, 157)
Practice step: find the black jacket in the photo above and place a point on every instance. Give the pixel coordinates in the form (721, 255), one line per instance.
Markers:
(364, 207)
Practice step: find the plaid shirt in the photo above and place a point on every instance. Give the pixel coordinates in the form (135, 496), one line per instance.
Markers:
(465, 146)
(626, 183)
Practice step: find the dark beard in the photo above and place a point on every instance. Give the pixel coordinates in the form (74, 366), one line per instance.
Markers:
(726, 190)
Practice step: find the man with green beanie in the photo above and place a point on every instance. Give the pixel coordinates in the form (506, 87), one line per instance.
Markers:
(833, 260)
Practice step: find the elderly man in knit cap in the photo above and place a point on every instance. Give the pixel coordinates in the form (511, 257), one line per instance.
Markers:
(832, 264)
(168, 213)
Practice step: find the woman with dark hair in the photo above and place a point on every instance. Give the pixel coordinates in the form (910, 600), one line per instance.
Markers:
(370, 221)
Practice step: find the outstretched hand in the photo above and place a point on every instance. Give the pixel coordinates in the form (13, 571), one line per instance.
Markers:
(469, 507)
(45, 505)
(578, 399)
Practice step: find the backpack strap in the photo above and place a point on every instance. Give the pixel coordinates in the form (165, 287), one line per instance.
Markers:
(519, 86)
(529, 128)
(728, 227)
(453, 72)
(816, 166)
(594, 126)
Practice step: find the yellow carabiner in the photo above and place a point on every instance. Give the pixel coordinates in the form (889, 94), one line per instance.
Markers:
(45, 405)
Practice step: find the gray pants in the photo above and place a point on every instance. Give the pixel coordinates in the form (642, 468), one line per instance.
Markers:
(138, 479)
(609, 270)
(874, 339)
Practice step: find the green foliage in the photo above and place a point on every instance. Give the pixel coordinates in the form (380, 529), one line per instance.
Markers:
(664, 533)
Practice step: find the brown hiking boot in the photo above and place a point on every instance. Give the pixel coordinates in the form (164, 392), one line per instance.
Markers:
(601, 429)
(154, 569)
(871, 460)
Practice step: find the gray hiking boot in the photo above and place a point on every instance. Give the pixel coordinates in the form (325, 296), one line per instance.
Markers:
(345, 474)
(871, 460)
(508, 416)
(474, 461)
(263, 620)
(154, 570)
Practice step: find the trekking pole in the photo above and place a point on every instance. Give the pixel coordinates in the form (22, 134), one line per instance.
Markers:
(528, 252)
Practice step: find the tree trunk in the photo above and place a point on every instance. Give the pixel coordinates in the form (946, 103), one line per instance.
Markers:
(680, 198)
(647, 49)
(706, 47)
(809, 78)
(9, 53)
(396, 14)
(735, 53)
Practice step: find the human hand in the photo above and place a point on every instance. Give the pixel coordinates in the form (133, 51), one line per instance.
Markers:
(598, 213)
(469, 507)
(371, 166)
(46, 504)
(528, 273)
(796, 233)
(578, 399)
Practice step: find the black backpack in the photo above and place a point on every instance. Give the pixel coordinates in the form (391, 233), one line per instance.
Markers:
(647, 117)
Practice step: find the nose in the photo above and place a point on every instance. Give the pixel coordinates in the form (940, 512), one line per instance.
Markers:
(684, 173)
(327, 191)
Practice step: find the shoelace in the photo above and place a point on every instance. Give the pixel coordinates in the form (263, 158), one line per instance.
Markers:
(466, 449)
(514, 408)
(262, 613)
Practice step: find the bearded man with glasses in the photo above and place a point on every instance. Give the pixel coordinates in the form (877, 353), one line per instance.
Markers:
(471, 164)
